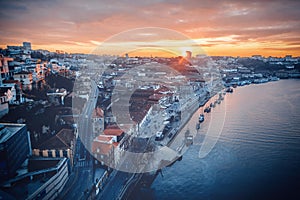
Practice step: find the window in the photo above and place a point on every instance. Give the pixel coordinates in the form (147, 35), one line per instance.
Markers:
(57, 153)
(65, 153)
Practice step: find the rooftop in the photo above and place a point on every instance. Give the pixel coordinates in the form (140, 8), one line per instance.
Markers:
(113, 131)
(7, 130)
(140, 104)
(3, 90)
(10, 81)
(62, 140)
(98, 112)
(103, 148)
(103, 138)
(40, 170)
(23, 72)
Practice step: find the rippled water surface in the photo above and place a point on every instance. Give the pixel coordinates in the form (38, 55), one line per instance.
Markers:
(257, 155)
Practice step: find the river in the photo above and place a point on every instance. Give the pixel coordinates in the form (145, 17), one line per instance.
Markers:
(257, 155)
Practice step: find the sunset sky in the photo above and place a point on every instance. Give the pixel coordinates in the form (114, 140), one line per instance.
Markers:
(234, 28)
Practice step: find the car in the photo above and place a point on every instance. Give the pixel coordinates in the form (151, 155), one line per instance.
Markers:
(159, 136)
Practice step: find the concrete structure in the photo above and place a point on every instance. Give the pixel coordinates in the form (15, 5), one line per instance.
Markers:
(45, 179)
(60, 145)
(62, 92)
(15, 147)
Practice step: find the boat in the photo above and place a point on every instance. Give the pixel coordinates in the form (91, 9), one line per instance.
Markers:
(230, 90)
(207, 109)
(274, 78)
(221, 96)
(197, 126)
(201, 118)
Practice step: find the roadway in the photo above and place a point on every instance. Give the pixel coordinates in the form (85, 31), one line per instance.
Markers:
(81, 179)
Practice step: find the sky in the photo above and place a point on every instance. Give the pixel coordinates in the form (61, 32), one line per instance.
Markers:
(227, 28)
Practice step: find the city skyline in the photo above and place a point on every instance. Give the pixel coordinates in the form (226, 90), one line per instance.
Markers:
(229, 28)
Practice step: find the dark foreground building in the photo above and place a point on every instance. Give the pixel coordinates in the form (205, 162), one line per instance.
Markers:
(15, 148)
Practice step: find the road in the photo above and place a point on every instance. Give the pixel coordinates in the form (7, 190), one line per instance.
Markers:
(114, 186)
(84, 126)
(81, 179)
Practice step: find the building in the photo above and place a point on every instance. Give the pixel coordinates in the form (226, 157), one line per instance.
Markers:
(15, 148)
(98, 121)
(10, 91)
(27, 45)
(62, 92)
(4, 70)
(103, 151)
(4, 109)
(58, 146)
(114, 132)
(105, 147)
(44, 178)
(188, 55)
(15, 90)
(25, 78)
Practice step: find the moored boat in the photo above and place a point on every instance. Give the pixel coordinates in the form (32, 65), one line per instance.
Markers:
(201, 118)
(230, 90)
(207, 109)
(197, 126)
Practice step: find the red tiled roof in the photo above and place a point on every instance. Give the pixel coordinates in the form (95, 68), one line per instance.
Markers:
(116, 144)
(10, 81)
(156, 97)
(62, 140)
(163, 89)
(98, 112)
(113, 131)
(102, 138)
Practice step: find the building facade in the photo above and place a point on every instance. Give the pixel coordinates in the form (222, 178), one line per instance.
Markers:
(15, 148)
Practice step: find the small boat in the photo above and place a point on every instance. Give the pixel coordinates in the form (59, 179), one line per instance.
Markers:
(221, 96)
(207, 109)
(197, 126)
(201, 118)
(230, 90)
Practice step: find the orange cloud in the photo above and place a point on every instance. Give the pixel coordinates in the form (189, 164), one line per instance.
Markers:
(237, 28)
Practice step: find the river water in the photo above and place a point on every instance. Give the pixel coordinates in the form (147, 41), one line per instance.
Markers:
(257, 155)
